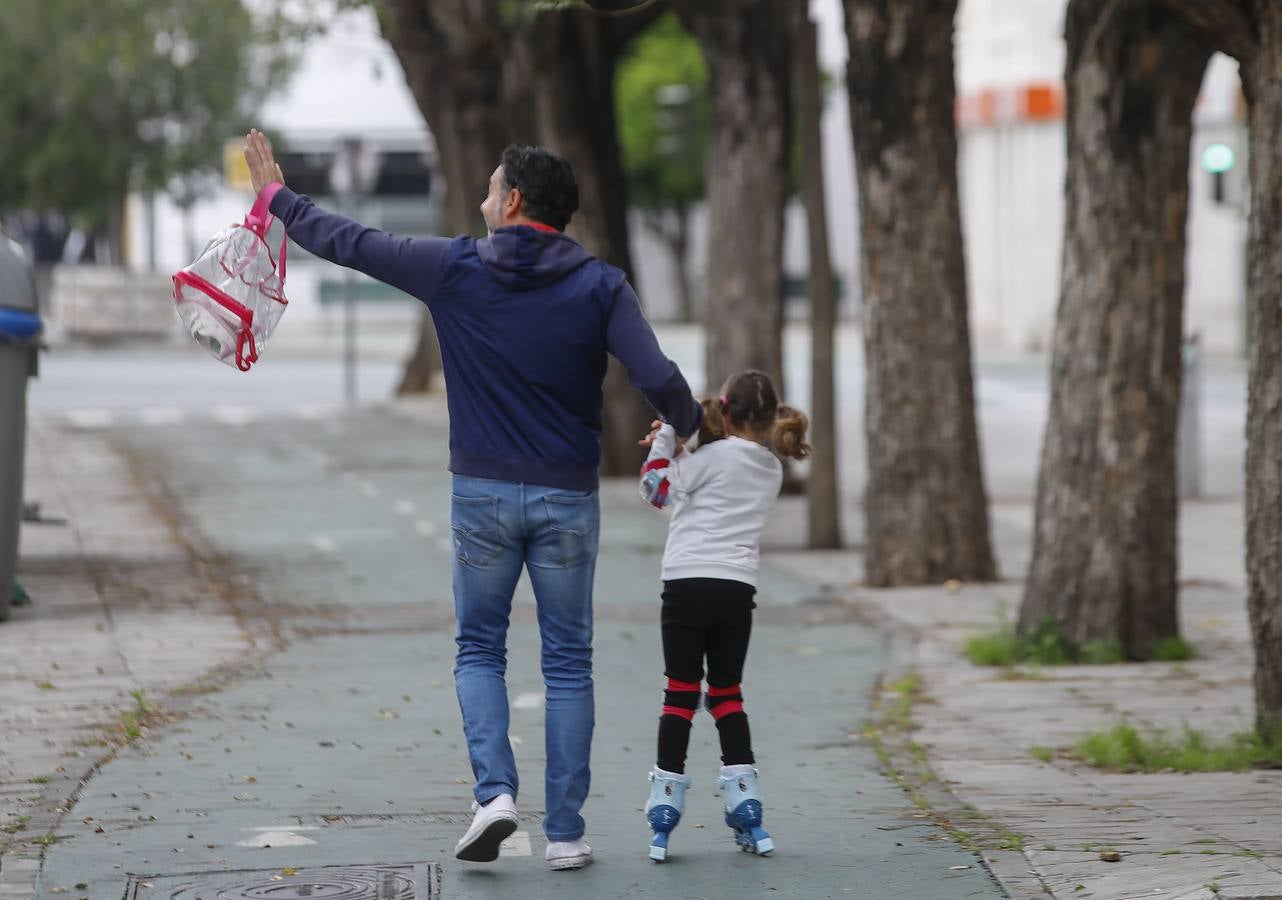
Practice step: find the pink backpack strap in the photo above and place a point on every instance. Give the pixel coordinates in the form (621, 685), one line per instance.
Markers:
(259, 220)
(260, 216)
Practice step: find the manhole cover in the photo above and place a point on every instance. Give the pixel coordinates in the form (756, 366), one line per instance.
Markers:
(366, 820)
(408, 882)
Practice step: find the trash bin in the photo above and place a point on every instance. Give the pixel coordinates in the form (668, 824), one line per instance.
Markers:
(20, 329)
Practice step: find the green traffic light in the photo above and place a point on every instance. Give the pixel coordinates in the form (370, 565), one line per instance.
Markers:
(1218, 158)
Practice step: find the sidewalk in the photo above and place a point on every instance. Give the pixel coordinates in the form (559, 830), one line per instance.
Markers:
(120, 619)
(1180, 836)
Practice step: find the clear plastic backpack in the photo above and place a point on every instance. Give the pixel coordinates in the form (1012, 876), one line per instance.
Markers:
(232, 296)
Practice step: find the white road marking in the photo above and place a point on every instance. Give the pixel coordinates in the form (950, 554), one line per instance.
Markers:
(90, 418)
(516, 845)
(161, 415)
(445, 544)
(425, 528)
(235, 415)
(311, 412)
(324, 544)
(405, 507)
(275, 839)
(367, 488)
(528, 701)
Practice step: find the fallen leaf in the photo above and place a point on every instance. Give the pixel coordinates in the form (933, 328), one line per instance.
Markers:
(1110, 856)
(289, 870)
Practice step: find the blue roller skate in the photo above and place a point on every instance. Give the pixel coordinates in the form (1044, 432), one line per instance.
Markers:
(663, 809)
(743, 809)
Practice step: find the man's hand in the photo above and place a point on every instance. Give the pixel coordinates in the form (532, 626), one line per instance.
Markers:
(263, 169)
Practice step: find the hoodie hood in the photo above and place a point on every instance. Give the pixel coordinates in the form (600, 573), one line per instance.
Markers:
(522, 258)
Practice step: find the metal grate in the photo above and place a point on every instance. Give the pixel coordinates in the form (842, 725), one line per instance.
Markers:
(418, 881)
(365, 820)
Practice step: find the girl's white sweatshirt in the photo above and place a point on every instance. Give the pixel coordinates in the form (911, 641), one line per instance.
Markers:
(720, 495)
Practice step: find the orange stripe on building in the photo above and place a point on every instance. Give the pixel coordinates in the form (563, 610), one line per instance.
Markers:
(1041, 101)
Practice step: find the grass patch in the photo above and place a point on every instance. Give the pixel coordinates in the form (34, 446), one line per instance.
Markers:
(1004, 646)
(1125, 748)
(1010, 841)
(1045, 754)
(16, 825)
(1045, 646)
(41, 779)
(1173, 649)
(133, 722)
(1101, 653)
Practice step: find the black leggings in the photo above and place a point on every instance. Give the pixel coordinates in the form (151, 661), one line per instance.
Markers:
(712, 618)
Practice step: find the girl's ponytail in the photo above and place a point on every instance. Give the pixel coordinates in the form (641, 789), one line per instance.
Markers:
(788, 433)
(714, 423)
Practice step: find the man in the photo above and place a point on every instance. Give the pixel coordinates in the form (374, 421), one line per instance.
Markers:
(525, 318)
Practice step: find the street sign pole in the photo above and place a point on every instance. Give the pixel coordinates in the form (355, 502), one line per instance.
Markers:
(352, 176)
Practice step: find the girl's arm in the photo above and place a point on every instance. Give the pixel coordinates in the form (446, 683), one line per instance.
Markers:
(669, 470)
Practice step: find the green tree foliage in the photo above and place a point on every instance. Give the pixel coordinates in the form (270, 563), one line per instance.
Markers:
(664, 144)
(103, 96)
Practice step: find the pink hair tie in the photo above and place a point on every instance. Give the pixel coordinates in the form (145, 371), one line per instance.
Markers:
(725, 403)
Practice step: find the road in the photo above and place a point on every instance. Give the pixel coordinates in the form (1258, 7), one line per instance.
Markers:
(345, 748)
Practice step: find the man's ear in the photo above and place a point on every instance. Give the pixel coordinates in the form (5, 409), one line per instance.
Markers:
(512, 203)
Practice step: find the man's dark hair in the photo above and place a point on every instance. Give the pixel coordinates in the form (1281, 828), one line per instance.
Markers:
(549, 191)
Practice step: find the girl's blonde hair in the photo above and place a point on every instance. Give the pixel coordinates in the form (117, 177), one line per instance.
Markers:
(750, 401)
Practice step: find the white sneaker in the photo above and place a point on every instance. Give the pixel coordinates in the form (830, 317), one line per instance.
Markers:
(491, 826)
(568, 854)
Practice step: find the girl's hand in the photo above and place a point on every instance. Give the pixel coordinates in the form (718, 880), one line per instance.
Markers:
(648, 440)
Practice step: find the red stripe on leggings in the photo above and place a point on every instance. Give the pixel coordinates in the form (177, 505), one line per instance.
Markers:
(721, 710)
(674, 685)
(723, 692)
(687, 714)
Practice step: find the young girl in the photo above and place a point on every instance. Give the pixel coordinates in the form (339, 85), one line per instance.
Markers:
(721, 494)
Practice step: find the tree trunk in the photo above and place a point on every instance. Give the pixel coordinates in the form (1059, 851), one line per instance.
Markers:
(679, 244)
(1262, 73)
(746, 43)
(470, 89)
(823, 490)
(1104, 555)
(573, 54)
(927, 514)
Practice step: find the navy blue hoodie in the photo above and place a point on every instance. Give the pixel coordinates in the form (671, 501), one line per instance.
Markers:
(525, 319)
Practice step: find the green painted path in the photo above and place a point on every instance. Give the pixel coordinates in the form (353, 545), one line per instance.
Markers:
(346, 748)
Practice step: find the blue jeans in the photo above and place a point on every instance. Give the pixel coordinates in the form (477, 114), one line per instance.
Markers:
(500, 526)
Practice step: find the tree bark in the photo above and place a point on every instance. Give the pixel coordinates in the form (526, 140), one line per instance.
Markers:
(823, 490)
(1261, 76)
(680, 246)
(1104, 555)
(746, 43)
(474, 95)
(926, 509)
(573, 54)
